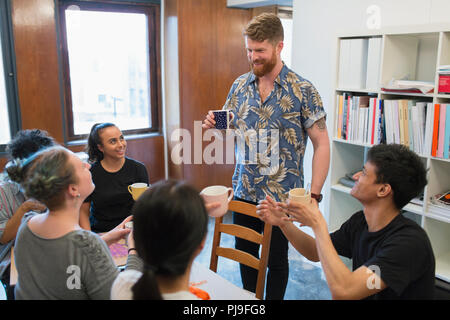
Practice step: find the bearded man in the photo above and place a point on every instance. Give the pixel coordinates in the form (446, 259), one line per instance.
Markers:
(273, 97)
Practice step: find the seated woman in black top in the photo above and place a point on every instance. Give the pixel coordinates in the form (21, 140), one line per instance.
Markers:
(112, 173)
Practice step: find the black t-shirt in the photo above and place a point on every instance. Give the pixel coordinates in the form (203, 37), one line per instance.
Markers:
(110, 201)
(401, 251)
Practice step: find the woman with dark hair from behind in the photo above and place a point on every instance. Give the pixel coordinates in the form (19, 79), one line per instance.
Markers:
(169, 229)
(13, 204)
(112, 173)
(55, 258)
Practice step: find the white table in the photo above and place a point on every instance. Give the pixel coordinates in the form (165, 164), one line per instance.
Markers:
(203, 278)
(217, 287)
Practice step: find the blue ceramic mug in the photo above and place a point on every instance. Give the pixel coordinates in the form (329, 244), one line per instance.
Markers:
(222, 118)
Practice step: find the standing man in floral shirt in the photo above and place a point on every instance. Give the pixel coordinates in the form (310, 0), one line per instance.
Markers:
(273, 98)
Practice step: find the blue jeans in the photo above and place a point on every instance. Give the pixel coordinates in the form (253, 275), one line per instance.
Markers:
(278, 264)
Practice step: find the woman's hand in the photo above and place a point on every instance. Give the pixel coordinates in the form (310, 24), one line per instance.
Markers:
(118, 233)
(32, 205)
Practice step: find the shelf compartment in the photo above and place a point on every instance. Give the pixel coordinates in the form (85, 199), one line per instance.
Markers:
(413, 56)
(410, 207)
(343, 206)
(438, 177)
(346, 158)
(439, 235)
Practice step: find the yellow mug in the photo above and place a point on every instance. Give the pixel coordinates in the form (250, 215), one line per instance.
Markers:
(136, 189)
(300, 195)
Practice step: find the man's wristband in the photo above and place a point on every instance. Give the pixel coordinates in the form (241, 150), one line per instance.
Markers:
(131, 249)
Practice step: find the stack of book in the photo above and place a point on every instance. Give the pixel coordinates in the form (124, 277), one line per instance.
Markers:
(440, 206)
(422, 127)
(408, 122)
(441, 131)
(409, 86)
(360, 119)
(353, 63)
(444, 79)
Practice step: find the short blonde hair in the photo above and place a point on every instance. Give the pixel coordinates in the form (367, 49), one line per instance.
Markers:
(266, 26)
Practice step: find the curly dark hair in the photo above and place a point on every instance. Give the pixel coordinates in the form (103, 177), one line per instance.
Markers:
(401, 168)
(46, 177)
(94, 140)
(27, 142)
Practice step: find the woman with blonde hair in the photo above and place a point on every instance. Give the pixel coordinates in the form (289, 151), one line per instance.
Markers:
(55, 257)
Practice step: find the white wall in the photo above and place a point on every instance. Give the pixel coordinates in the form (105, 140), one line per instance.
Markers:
(317, 25)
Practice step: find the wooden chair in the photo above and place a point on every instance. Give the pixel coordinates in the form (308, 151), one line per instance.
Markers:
(247, 234)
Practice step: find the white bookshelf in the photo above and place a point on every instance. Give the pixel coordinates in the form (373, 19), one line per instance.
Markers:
(418, 54)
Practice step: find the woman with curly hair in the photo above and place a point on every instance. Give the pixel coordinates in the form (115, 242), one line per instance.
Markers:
(13, 204)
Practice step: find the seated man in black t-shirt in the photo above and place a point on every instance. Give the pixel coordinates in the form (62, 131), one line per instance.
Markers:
(392, 255)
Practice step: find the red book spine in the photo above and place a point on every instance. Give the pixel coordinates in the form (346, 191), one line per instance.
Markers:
(349, 101)
(435, 130)
(373, 120)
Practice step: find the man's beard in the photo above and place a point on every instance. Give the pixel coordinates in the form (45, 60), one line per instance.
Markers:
(266, 68)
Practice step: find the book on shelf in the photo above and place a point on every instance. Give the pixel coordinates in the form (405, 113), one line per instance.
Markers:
(441, 131)
(354, 117)
(437, 108)
(347, 182)
(447, 133)
(373, 63)
(353, 63)
(440, 205)
(440, 147)
(410, 125)
(429, 128)
(409, 86)
(369, 120)
(439, 211)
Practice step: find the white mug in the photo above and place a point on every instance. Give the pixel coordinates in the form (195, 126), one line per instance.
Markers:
(220, 194)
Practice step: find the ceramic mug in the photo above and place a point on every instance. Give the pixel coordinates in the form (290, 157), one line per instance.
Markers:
(300, 195)
(136, 189)
(222, 118)
(220, 194)
(129, 225)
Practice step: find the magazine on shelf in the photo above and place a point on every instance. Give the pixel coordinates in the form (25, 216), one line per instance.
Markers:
(409, 86)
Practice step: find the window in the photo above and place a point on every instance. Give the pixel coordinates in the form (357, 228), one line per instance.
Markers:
(285, 15)
(9, 112)
(111, 66)
(5, 131)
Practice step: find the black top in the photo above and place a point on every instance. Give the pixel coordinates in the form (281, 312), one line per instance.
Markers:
(401, 251)
(110, 201)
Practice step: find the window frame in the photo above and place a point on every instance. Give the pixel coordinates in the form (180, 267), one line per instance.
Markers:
(152, 11)
(9, 65)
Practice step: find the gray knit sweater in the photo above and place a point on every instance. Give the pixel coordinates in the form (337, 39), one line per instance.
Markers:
(75, 266)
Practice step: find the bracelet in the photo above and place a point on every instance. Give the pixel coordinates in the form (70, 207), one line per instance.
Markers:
(131, 249)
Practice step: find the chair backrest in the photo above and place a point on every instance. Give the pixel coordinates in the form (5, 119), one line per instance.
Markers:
(247, 234)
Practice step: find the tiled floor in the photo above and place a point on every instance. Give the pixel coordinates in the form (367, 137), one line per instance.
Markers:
(306, 280)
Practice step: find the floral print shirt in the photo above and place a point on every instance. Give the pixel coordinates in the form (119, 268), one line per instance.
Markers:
(11, 198)
(271, 135)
